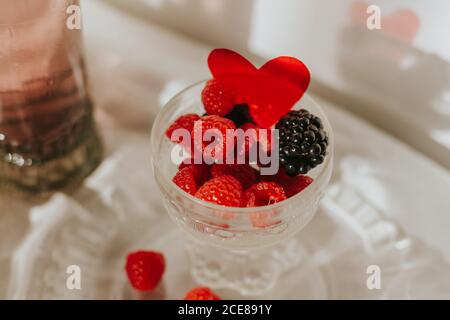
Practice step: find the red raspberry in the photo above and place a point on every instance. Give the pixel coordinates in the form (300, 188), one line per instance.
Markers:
(201, 171)
(145, 269)
(253, 137)
(279, 177)
(244, 173)
(263, 194)
(248, 125)
(201, 293)
(217, 125)
(185, 179)
(223, 190)
(218, 97)
(294, 185)
(265, 140)
(184, 122)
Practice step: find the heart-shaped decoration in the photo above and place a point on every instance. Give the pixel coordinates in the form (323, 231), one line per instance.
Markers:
(403, 24)
(270, 91)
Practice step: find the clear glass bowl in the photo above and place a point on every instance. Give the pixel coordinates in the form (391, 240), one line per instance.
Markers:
(238, 231)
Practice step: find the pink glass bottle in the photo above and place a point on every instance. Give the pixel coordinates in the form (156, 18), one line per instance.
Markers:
(48, 139)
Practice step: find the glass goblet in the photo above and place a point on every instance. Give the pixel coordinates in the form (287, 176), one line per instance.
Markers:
(243, 249)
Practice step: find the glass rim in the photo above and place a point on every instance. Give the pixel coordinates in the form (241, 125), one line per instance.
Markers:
(238, 210)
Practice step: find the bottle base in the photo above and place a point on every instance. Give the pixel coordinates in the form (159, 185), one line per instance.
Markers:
(62, 173)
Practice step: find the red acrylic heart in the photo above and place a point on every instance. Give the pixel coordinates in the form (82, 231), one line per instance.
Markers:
(270, 91)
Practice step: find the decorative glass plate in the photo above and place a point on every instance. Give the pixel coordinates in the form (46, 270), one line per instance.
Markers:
(104, 221)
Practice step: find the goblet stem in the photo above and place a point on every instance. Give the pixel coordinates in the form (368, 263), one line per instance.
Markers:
(250, 272)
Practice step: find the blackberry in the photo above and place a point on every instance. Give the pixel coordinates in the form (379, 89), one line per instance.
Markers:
(303, 142)
(240, 115)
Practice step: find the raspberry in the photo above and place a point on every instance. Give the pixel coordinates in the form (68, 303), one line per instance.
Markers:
(218, 97)
(145, 269)
(265, 140)
(245, 174)
(295, 185)
(201, 293)
(263, 194)
(240, 115)
(201, 171)
(262, 137)
(218, 126)
(249, 125)
(185, 179)
(291, 185)
(303, 142)
(223, 190)
(184, 122)
(251, 139)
